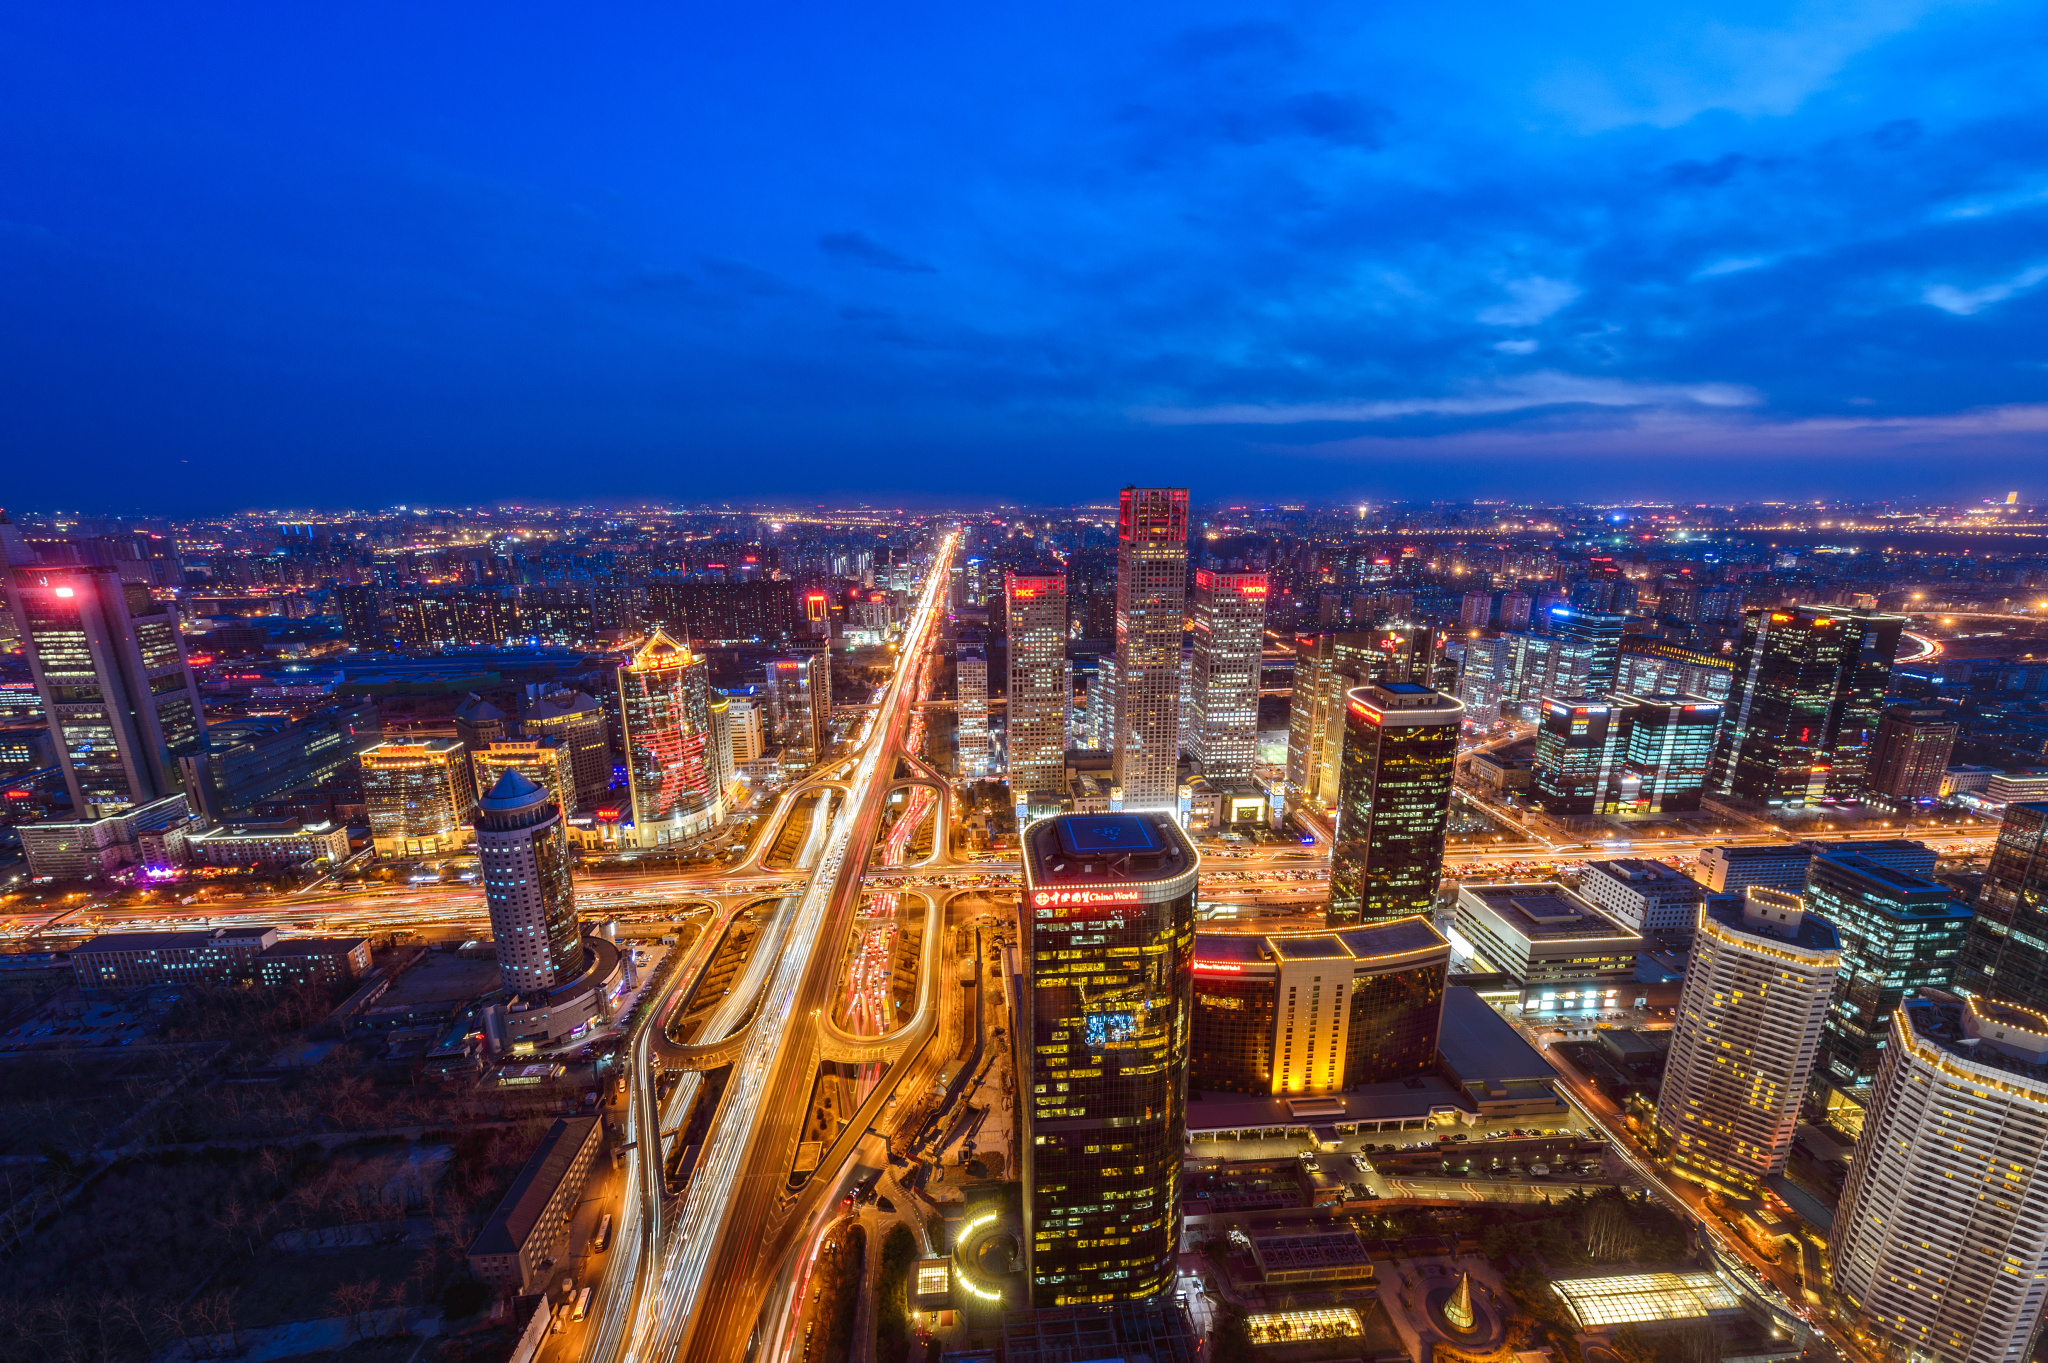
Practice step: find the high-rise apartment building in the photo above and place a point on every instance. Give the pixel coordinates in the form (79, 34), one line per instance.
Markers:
(970, 671)
(1109, 948)
(1393, 802)
(1900, 933)
(1482, 674)
(542, 761)
(1941, 1240)
(1151, 597)
(361, 622)
(1230, 633)
(1809, 685)
(524, 856)
(117, 692)
(2005, 955)
(419, 796)
(1040, 693)
(721, 610)
(665, 706)
(1476, 610)
(1914, 743)
(799, 695)
(576, 723)
(1756, 994)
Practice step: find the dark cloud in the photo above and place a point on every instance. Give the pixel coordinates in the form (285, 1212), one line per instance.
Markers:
(863, 249)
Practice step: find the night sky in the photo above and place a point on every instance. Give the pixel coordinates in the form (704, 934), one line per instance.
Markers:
(359, 254)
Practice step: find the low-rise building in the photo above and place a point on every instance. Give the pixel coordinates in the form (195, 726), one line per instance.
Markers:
(134, 960)
(1562, 954)
(528, 1226)
(1646, 895)
(155, 834)
(270, 843)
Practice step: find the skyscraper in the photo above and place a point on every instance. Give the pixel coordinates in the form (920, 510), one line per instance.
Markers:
(1575, 750)
(1749, 1023)
(576, 722)
(1913, 746)
(970, 669)
(799, 695)
(1900, 933)
(1393, 802)
(1941, 1240)
(2004, 956)
(1803, 707)
(665, 704)
(543, 761)
(527, 887)
(1109, 956)
(1666, 749)
(1039, 690)
(117, 692)
(419, 797)
(1327, 668)
(1230, 631)
(1151, 594)
(1593, 642)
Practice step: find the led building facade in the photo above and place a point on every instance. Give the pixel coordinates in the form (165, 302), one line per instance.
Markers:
(1109, 946)
(527, 887)
(1756, 995)
(2005, 955)
(1804, 704)
(419, 797)
(116, 691)
(1230, 631)
(1151, 600)
(1393, 803)
(1040, 692)
(1900, 933)
(1317, 1012)
(1623, 754)
(665, 708)
(1941, 1240)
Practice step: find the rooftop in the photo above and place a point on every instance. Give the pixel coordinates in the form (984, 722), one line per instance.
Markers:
(1638, 869)
(1982, 1032)
(1546, 912)
(1643, 1298)
(1376, 941)
(1809, 932)
(1106, 850)
(528, 1196)
(1478, 1045)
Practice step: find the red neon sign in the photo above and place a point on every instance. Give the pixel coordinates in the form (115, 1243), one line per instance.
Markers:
(1365, 712)
(1252, 589)
(1046, 898)
(1219, 967)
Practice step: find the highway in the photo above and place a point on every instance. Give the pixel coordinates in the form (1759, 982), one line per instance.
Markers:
(739, 1199)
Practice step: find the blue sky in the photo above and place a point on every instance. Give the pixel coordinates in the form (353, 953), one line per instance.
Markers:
(361, 254)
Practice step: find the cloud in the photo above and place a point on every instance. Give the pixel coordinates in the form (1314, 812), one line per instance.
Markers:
(1534, 299)
(1544, 389)
(1966, 302)
(1521, 347)
(865, 250)
(1731, 265)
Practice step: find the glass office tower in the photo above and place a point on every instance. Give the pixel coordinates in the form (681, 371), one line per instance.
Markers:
(2004, 956)
(1151, 601)
(1110, 945)
(1393, 801)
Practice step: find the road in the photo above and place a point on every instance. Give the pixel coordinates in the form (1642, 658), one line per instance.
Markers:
(730, 1229)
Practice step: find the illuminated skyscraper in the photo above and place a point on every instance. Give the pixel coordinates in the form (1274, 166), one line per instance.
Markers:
(1151, 599)
(665, 704)
(1941, 1240)
(1109, 953)
(527, 887)
(970, 668)
(1393, 802)
(1327, 667)
(1039, 690)
(1804, 705)
(576, 722)
(799, 696)
(2004, 957)
(1230, 631)
(1593, 643)
(1575, 750)
(1664, 754)
(116, 691)
(419, 797)
(543, 761)
(1756, 992)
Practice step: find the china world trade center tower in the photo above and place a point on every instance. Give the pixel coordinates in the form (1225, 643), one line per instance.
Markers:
(1109, 901)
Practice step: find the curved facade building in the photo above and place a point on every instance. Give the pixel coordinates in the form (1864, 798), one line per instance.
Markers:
(1317, 1012)
(527, 887)
(1109, 903)
(665, 707)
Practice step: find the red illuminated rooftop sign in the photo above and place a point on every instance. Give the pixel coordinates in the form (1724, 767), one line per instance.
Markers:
(1083, 897)
(1219, 967)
